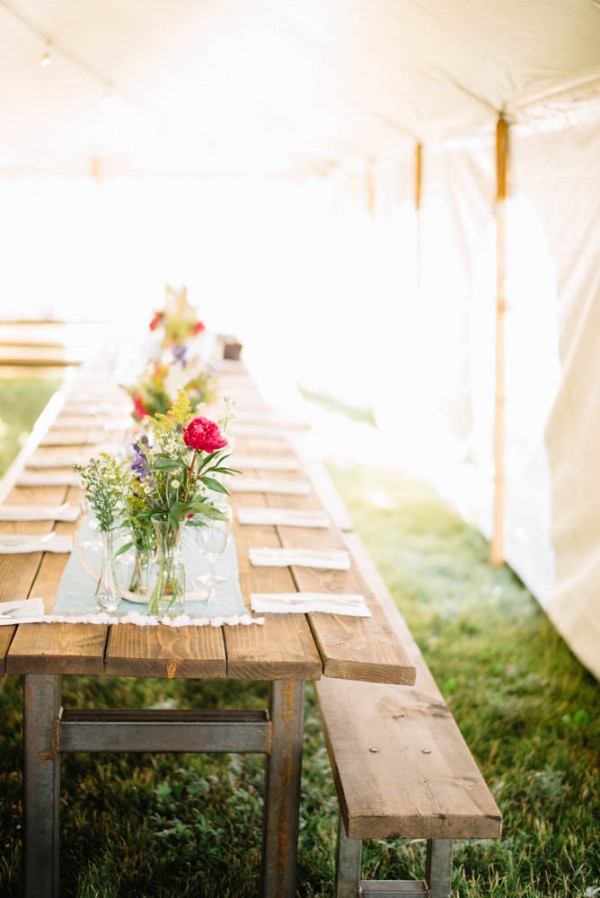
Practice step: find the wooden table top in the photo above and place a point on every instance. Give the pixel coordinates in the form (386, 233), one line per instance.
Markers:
(287, 646)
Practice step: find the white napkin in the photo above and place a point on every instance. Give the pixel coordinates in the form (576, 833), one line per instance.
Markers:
(258, 485)
(57, 461)
(257, 430)
(20, 543)
(329, 559)
(266, 462)
(23, 611)
(64, 512)
(284, 517)
(269, 418)
(303, 602)
(89, 411)
(79, 422)
(66, 439)
(50, 478)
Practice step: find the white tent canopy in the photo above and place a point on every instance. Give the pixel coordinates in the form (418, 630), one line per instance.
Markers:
(264, 154)
(270, 86)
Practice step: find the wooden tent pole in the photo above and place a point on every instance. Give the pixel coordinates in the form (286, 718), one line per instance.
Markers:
(418, 197)
(502, 163)
(371, 189)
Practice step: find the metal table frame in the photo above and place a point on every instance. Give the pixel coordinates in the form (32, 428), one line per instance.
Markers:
(50, 730)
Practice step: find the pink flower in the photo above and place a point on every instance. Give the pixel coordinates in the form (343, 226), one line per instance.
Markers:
(202, 434)
(199, 327)
(139, 409)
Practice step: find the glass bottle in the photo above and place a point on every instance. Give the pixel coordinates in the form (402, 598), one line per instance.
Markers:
(108, 593)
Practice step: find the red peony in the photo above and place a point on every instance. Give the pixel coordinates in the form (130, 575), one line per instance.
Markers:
(156, 321)
(199, 327)
(139, 409)
(202, 434)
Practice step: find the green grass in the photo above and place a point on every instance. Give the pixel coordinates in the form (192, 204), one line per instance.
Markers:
(525, 705)
(22, 399)
(337, 407)
(159, 825)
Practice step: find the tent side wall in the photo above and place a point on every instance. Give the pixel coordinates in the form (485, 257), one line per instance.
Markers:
(552, 518)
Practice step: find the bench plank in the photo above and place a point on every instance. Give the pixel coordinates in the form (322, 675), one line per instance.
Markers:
(375, 733)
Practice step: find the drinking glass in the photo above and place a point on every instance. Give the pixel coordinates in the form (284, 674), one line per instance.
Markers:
(213, 537)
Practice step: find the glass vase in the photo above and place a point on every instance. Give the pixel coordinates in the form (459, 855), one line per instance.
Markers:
(167, 579)
(140, 574)
(108, 592)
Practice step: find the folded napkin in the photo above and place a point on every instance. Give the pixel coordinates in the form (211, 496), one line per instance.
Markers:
(64, 512)
(258, 430)
(50, 478)
(90, 411)
(66, 439)
(258, 485)
(20, 543)
(269, 418)
(284, 517)
(330, 559)
(266, 462)
(22, 611)
(57, 461)
(79, 422)
(303, 602)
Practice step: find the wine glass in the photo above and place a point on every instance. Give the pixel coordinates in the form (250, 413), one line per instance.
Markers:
(213, 537)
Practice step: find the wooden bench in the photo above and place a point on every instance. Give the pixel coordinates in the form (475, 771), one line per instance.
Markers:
(402, 769)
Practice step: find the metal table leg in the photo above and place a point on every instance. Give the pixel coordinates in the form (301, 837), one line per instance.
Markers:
(282, 789)
(41, 711)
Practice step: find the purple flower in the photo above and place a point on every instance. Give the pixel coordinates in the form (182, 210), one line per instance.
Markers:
(179, 351)
(140, 465)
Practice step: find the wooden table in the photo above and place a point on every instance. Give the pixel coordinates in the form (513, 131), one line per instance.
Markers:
(287, 651)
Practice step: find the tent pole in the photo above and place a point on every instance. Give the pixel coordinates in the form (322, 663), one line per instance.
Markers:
(502, 152)
(371, 189)
(417, 198)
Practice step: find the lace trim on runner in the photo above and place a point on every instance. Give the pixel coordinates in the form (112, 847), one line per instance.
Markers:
(148, 620)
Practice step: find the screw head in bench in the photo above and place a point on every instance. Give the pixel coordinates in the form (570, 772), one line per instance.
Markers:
(426, 751)
(374, 750)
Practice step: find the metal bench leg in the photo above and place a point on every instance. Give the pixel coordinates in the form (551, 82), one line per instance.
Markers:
(347, 864)
(282, 789)
(438, 868)
(41, 711)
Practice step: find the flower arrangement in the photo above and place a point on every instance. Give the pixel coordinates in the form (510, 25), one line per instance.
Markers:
(159, 385)
(177, 467)
(178, 321)
(171, 480)
(180, 364)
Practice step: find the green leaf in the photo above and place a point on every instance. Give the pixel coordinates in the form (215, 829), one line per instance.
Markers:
(166, 464)
(214, 485)
(176, 512)
(123, 549)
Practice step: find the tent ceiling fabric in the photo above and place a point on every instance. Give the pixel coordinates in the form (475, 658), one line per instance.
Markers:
(276, 86)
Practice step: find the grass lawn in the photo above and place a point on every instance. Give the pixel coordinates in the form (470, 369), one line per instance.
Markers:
(22, 399)
(142, 826)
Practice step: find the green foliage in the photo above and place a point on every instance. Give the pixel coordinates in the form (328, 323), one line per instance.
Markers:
(526, 707)
(179, 413)
(22, 400)
(103, 480)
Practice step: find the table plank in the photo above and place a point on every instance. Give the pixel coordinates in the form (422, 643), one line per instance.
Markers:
(282, 648)
(351, 647)
(55, 648)
(17, 572)
(166, 651)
